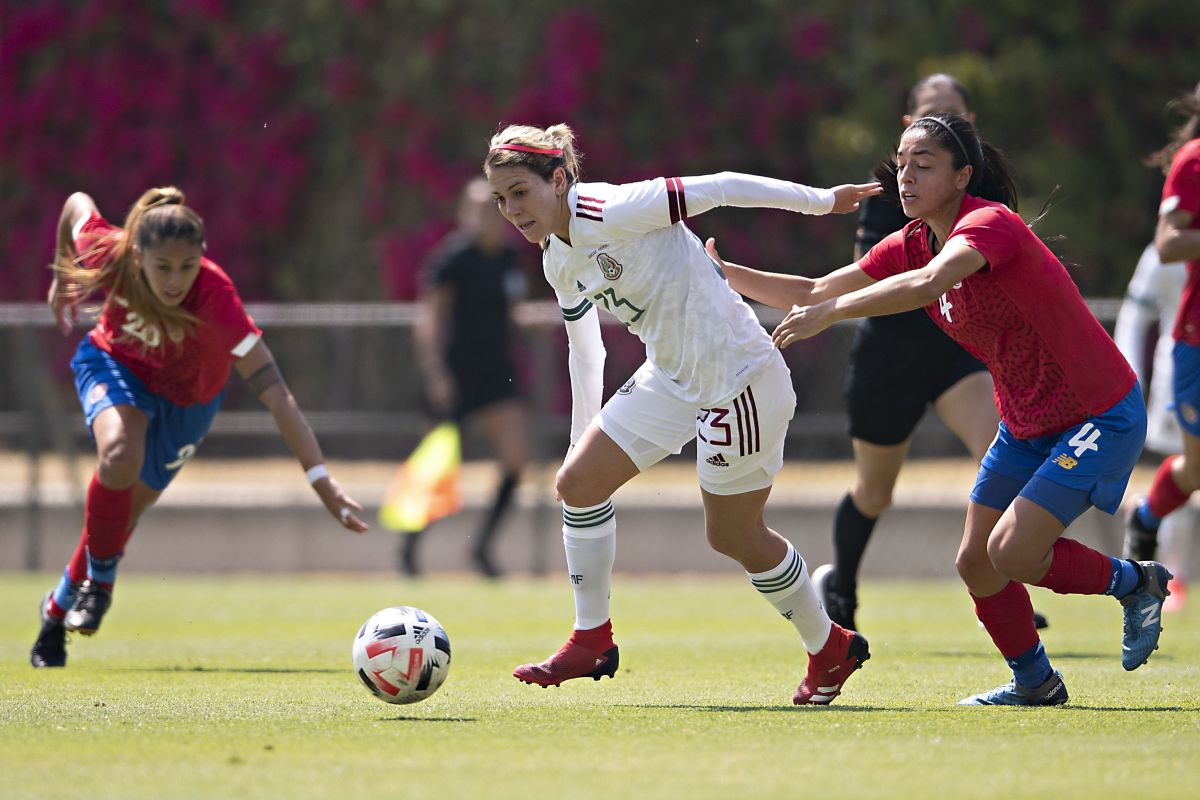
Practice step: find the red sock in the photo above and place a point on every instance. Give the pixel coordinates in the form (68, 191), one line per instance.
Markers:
(599, 638)
(77, 568)
(1008, 618)
(106, 518)
(1077, 569)
(1165, 495)
(53, 609)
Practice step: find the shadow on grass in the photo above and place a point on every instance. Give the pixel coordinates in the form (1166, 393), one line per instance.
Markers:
(1057, 655)
(403, 718)
(846, 707)
(237, 670)
(1126, 709)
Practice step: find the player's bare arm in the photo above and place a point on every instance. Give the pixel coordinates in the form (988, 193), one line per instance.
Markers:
(262, 375)
(897, 293)
(1174, 240)
(62, 297)
(784, 291)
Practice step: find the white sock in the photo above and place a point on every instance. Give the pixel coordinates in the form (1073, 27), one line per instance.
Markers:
(590, 540)
(788, 588)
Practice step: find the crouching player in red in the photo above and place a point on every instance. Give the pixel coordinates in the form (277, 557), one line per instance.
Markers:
(1072, 416)
(151, 375)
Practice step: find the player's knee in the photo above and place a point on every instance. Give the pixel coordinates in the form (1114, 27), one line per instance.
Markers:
(973, 567)
(728, 542)
(576, 488)
(1187, 473)
(872, 501)
(1011, 559)
(119, 465)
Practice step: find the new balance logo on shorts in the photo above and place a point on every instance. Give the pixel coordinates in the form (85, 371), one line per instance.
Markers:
(717, 461)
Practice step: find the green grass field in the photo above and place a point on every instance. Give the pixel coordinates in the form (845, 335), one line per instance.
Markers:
(242, 688)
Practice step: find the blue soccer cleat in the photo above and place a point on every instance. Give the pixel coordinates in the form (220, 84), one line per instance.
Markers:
(1051, 693)
(1143, 615)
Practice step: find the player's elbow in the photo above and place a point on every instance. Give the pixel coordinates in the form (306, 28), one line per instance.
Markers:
(1168, 243)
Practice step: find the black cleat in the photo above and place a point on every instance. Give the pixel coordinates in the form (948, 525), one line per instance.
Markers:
(1039, 621)
(485, 566)
(90, 606)
(1141, 543)
(840, 607)
(50, 649)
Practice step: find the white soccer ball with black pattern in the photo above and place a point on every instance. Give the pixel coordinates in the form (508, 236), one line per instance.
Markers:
(401, 654)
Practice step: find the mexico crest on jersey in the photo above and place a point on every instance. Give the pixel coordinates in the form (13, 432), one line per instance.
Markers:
(609, 266)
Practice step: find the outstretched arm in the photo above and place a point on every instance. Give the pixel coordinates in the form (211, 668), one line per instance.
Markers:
(1174, 239)
(261, 374)
(902, 292)
(63, 297)
(705, 192)
(784, 291)
(428, 336)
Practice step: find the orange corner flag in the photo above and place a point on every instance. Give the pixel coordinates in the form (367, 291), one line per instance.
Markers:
(426, 487)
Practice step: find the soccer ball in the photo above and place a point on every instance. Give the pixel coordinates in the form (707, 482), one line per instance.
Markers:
(401, 654)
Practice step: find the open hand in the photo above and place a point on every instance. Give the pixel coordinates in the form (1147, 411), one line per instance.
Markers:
(803, 322)
(847, 196)
(710, 247)
(341, 506)
(64, 303)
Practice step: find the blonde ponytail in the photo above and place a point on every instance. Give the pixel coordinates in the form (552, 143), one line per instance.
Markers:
(529, 145)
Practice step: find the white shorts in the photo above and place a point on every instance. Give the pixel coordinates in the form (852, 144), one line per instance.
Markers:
(739, 442)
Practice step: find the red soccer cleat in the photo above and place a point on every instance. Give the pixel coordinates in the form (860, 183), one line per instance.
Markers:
(572, 661)
(843, 653)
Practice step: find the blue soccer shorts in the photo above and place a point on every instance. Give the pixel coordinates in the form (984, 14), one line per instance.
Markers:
(1186, 378)
(1086, 465)
(174, 432)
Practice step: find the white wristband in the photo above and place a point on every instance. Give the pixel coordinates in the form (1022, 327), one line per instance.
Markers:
(315, 474)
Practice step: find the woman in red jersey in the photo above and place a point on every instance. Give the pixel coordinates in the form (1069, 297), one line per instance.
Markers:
(1177, 238)
(1072, 417)
(151, 375)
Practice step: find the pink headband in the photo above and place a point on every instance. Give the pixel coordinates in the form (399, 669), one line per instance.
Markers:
(541, 151)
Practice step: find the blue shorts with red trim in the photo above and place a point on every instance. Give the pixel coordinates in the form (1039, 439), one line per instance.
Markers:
(1086, 465)
(174, 432)
(1186, 379)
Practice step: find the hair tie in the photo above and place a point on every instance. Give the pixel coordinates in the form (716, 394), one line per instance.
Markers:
(957, 140)
(541, 151)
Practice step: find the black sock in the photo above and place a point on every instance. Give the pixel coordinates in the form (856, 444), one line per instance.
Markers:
(851, 532)
(500, 504)
(409, 543)
(1147, 545)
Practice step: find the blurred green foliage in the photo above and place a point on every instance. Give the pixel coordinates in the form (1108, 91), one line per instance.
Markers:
(384, 107)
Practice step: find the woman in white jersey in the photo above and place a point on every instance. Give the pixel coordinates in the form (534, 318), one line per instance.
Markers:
(1152, 299)
(711, 374)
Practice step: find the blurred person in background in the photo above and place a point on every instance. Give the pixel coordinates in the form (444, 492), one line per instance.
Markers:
(900, 366)
(1072, 416)
(710, 375)
(1177, 238)
(1151, 302)
(464, 340)
(151, 375)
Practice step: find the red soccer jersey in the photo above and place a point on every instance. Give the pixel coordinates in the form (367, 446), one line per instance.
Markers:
(1182, 191)
(1052, 362)
(193, 370)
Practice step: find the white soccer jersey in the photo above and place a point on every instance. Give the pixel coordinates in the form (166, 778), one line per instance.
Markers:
(632, 255)
(1153, 296)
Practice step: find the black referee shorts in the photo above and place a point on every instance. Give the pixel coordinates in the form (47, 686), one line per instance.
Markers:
(899, 364)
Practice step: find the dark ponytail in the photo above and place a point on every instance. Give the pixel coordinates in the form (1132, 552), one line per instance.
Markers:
(1189, 106)
(991, 175)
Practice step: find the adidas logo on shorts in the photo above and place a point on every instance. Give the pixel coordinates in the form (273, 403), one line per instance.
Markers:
(717, 461)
